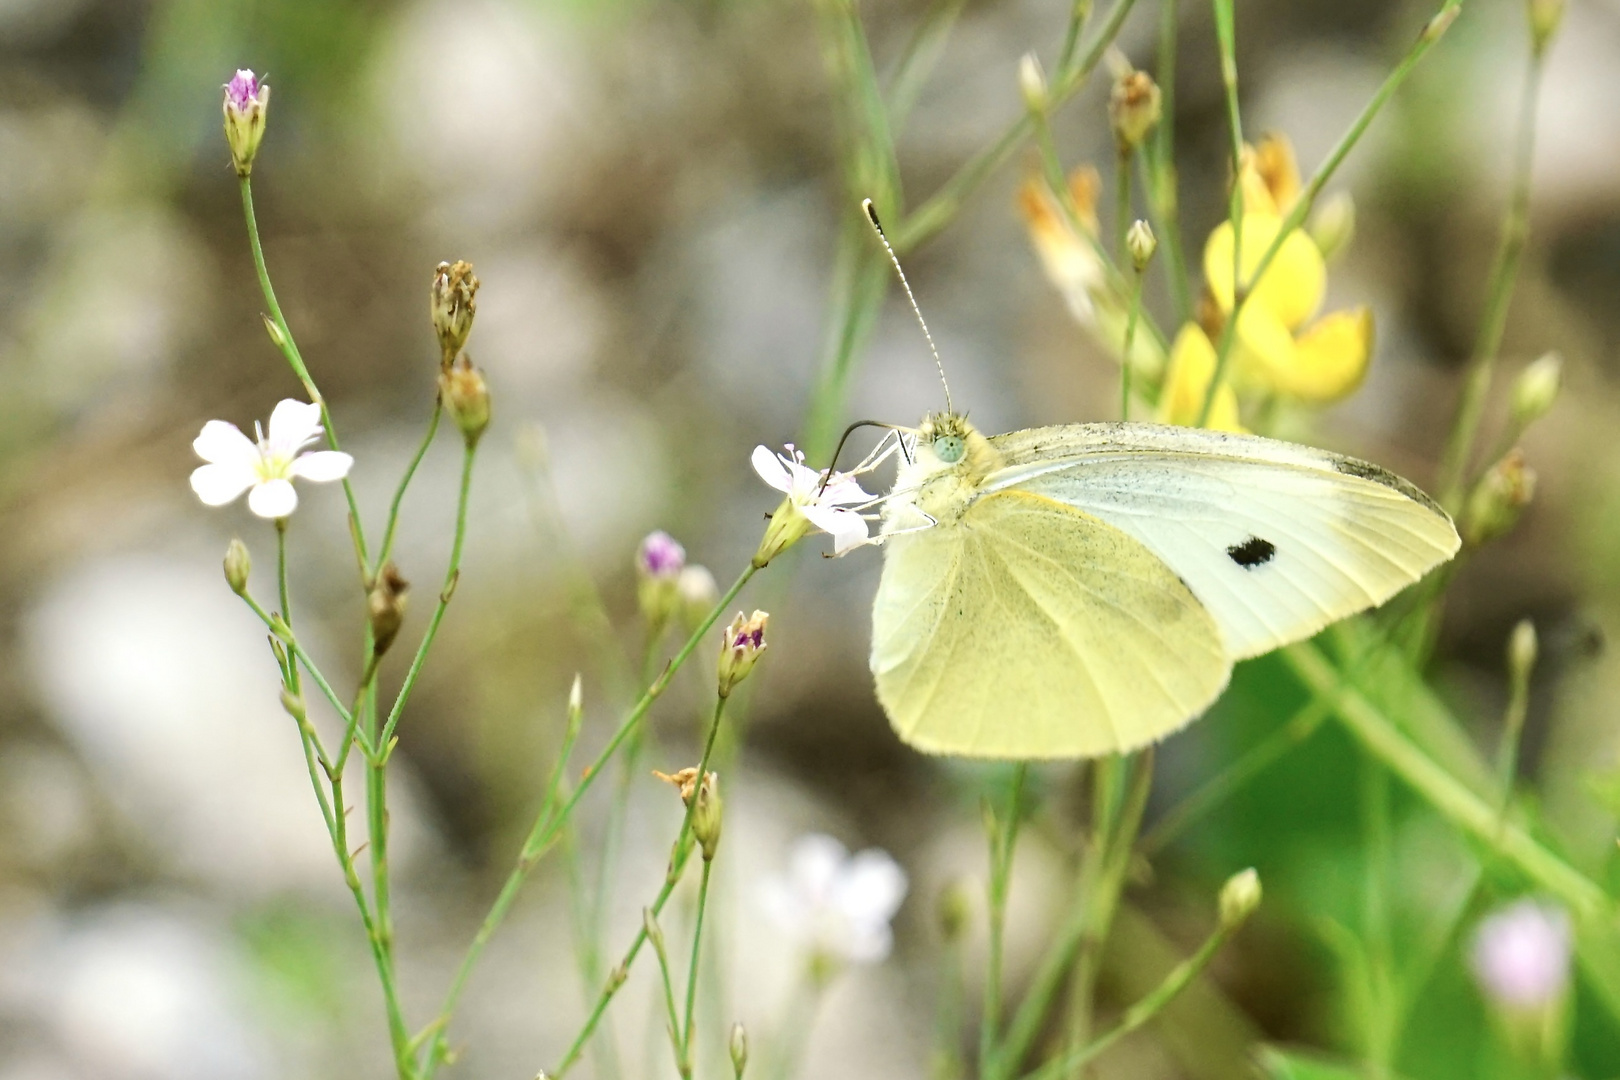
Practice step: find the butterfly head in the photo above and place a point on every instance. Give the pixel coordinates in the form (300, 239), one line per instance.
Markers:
(950, 460)
(946, 442)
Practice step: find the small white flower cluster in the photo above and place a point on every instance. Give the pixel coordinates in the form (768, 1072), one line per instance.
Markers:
(834, 905)
(265, 464)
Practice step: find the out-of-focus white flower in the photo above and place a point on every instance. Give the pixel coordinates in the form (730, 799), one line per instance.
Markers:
(809, 503)
(1521, 955)
(268, 465)
(837, 905)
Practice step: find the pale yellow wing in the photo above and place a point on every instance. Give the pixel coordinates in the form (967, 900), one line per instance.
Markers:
(1033, 630)
(1276, 540)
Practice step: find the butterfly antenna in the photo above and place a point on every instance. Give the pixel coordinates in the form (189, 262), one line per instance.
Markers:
(877, 226)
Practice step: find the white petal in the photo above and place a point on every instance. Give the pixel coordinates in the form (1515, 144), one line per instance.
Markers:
(770, 469)
(843, 490)
(814, 866)
(323, 465)
(847, 528)
(868, 945)
(224, 444)
(273, 499)
(219, 483)
(292, 425)
(871, 888)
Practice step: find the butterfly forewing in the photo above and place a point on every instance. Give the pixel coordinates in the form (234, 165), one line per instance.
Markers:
(1030, 629)
(1276, 540)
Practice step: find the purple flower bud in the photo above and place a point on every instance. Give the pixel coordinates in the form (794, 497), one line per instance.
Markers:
(1521, 955)
(242, 91)
(660, 556)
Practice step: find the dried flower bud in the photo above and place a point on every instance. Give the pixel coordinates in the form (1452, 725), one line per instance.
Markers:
(385, 607)
(1499, 499)
(1536, 388)
(706, 815)
(453, 303)
(1141, 243)
(576, 696)
(246, 102)
(739, 1049)
(467, 397)
(1239, 897)
(1436, 27)
(684, 781)
(698, 592)
(293, 704)
(659, 562)
(1522, 650)
(1333, 225)
(1032, 83)
(741, 650)
(1133, 109)
(1545, 17)
(238, 564)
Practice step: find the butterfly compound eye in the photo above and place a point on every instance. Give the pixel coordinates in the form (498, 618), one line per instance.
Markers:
(950, 448)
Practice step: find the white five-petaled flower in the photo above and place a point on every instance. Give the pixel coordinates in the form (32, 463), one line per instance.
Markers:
(835, 904)
(267, 464)
(827, 508)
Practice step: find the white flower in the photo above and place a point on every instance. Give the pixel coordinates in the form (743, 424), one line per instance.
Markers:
(237, 463)
(836, 905)
(825, 508)
(1521, 954)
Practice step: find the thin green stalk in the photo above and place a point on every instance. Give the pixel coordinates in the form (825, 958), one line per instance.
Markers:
(1079, 15)
(452, 575)
(677, 864)
(1225, 34)
(1003, 844)
(548, 826)
(1382, 999)
(1513, 717)
(1140, 1013)
(950, 990)
(283, 633)
(387, 548)
(656, 936)
(942, 207)
(1432, 32)
(1504, 275)
(692, 971)
(1104, 900)
(1122, 201)
(1159, 166)
(1125, 364)
(917, 60)
(1381, 737)
(289, 349)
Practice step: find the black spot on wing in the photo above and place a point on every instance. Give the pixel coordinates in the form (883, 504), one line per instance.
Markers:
(1252, 552)
(1367, 471)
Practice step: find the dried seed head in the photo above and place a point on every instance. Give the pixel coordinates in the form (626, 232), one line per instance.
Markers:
(452, 303)
(385, 607)
(1499, 499)
(1134, 108)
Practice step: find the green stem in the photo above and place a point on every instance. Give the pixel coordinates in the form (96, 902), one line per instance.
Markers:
(1295, 217)
(297, 650)
(677, 1047)
(1160, 168)
(677, 864)
(1225, 34)
(692, 971)
(548, 826)
(289, 349)
(1125, 363)
(387, 548)
(1140, 1013)
(1079, 13)
(1504, 275)
(1454, 801)
(1003, 843)
(452, 575)
(1122, 202)
(943, 206)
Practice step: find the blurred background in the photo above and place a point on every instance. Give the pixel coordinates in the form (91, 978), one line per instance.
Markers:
(650, 192)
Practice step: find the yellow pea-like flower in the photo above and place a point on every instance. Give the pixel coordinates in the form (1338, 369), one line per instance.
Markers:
(1293, 284)
(1192, 365)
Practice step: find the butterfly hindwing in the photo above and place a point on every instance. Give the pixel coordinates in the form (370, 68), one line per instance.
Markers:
(1030, 629)
(1276, 540)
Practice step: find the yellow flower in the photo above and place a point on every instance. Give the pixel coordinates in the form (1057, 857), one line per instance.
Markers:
(1192, 365)
(1276, 350)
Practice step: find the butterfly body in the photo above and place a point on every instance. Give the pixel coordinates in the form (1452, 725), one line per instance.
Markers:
(1084, 589)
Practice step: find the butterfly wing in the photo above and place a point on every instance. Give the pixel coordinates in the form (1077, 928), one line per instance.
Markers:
(1276, 540)
(1029, 629)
